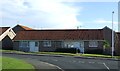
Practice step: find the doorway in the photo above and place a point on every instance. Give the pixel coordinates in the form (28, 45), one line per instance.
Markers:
(34, 46)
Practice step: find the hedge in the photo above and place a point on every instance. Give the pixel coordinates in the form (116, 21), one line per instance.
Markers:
(68, 50)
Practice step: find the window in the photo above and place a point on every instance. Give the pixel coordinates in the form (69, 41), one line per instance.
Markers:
(93, 44)
(47, 43)
(68, 45)
(36, 44)
(24, 44)
(82, 44)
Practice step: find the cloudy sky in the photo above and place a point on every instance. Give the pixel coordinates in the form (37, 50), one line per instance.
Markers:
(60, 14)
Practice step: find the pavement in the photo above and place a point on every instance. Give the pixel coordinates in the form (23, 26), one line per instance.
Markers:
(67, 63)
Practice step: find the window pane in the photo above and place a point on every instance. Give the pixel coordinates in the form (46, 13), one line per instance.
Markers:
(47, 43)
(36, 44)
(93, 44)
(24, 44)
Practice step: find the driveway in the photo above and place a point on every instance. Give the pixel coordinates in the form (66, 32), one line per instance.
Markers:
(58, 63)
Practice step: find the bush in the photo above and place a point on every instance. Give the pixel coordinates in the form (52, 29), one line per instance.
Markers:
(94, 51)
(67, 50)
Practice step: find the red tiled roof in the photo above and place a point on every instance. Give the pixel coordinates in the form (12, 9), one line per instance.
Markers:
(3, 29)
(26, 28)
(70, 34)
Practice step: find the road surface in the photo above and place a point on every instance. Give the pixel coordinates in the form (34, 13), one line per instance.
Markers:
(68, 63)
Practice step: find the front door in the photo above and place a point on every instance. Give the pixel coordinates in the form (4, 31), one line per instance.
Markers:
(34, 46)
(82, 47)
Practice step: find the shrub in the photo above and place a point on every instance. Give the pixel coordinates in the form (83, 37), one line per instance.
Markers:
(67, 50)
(94, 51)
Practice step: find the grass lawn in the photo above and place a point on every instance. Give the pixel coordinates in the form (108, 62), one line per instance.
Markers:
(15, 64)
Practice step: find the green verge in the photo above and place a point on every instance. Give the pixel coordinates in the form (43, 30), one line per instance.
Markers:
(60, 53)
(9, 64)
(78, 54)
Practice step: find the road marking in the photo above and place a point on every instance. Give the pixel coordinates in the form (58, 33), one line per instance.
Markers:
(48, 63)
(53, 65)
(59, 68)
(100, 63)
(91, 62)
(74, 61)
(81, 62)
(106, 66)
(55, 60)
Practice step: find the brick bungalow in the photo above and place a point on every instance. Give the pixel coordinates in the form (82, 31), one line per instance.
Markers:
(6, 36)
(49, 40)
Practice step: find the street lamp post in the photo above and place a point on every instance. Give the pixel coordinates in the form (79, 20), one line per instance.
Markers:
(112, 36)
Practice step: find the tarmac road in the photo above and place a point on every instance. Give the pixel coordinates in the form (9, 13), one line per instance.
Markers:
(68, 63)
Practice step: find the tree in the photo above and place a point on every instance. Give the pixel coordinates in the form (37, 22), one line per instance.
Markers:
(117, 44)
(105, 45)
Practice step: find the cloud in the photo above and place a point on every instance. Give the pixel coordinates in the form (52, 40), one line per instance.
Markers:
(102, 21)
(43, 13)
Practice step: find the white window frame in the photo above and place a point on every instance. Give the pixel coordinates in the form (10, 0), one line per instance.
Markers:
(93, 43)
(22, 43)
(37, 44)
(68, 45)
(47, 43)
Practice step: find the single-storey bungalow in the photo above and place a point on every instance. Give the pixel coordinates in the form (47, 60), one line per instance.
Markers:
(6, 36)
(49, 40)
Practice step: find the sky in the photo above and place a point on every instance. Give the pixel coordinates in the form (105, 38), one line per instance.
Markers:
(59, 14)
